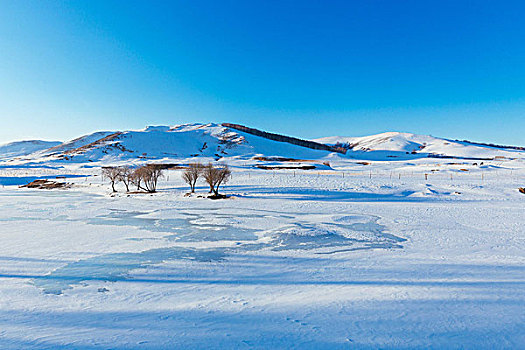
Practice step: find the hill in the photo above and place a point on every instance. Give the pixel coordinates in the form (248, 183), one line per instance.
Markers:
(24, 148)
(208, 142)
(406, 145)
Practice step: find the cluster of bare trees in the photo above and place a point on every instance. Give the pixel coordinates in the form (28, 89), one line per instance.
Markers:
(214, 176)
(144, 177)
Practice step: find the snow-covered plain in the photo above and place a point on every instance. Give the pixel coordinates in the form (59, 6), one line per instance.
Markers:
(305, 261)
(398, 253)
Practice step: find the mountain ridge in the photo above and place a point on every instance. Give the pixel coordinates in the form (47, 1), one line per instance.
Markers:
(221, 141)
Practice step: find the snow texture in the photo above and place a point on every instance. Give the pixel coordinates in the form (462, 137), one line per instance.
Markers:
(392, 252)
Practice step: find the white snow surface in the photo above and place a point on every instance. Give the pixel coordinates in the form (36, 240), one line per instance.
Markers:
(212, 142)
(164, 143)
(372, 249)
(360, 257)
(398, 144)
(24, 148)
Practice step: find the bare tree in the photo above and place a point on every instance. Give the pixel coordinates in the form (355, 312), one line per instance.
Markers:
(209, 173)
(191, 174)
(154, 172)
(225, 175)
(126, 176)
(113, 174)
(136, 178)
(215, 176)
(146, 177)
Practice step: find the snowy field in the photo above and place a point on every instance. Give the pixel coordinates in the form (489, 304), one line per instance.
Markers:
(377, 257)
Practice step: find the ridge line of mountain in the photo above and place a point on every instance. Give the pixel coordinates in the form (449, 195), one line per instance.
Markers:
(283, 138)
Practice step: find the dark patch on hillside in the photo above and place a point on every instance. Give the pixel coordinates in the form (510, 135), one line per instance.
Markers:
(288, 139)
(518, 148)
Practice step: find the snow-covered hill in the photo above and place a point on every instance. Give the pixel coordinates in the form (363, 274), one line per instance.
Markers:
(397, 144)
(176, 143)
(233, 142)
(24, 148)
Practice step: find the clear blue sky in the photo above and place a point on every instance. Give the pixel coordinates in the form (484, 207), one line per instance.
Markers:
(454, 69)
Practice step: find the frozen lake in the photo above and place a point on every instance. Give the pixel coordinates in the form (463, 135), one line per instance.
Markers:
(330, 234)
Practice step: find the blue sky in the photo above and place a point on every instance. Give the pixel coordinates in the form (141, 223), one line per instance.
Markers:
(453, 69)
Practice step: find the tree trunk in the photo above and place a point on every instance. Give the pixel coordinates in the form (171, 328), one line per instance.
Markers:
(113, 186)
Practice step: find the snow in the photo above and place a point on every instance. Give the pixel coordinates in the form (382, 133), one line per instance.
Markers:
(397, 144)
(207, 142)
(24, 148)
(311, 260)
(395, 252)
(214, 142)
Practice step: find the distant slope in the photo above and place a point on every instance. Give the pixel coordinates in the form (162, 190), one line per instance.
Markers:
(397, 144)
(79, 142)
(518, 148)
(388, 141)
(24, 148)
